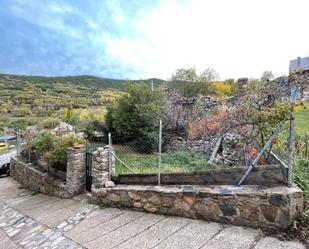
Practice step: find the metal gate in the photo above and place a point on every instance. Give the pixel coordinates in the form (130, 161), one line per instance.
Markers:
(90, 148)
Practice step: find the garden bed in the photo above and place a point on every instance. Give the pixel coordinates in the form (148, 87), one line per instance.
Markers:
(261, 175)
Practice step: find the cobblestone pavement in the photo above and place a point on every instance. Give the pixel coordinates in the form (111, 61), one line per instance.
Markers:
(30, 220)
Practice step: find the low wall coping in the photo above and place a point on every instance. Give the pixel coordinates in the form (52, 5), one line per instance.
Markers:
(222, 190)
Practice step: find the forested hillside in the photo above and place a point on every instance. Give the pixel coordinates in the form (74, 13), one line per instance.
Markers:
(27, 99)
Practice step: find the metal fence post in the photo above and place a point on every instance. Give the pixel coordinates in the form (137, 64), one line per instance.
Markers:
(291, 142)
(109, 156)
(160, 153)
(17, 144)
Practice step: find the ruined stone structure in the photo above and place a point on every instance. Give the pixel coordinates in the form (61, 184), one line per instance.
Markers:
(304, 91)
(230, 151)
(182, 110)
(243, 86)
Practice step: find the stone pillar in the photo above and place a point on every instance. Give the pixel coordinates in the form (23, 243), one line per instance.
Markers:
(76, 169)
(243, 86)
(100, 168)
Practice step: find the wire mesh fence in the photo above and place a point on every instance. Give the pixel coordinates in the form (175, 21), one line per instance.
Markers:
(280, 145)
(152, 154)
(136, 154)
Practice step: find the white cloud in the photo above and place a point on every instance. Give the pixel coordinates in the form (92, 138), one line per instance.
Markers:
(238, 38)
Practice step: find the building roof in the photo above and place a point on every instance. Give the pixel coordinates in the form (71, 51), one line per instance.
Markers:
(302, 63)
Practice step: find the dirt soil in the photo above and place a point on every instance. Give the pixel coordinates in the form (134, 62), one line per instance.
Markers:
(299, 230)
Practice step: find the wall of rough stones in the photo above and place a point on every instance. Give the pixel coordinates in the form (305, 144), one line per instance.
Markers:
(253, 205)
(33, 178)
(100, 168)
(183, 110)
(249, 205)
(76, 170)
(230, 152)
(305, 90)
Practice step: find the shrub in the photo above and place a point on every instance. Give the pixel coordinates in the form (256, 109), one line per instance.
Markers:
(44, 143)
(94, 130)
(57, 157)
(53, 148)
(20, 124)
(50, 123)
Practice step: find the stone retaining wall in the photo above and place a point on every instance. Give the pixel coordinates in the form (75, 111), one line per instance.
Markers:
(249, 205)
(30, 176)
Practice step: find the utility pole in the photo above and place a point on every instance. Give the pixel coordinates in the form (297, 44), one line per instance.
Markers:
(152, 85)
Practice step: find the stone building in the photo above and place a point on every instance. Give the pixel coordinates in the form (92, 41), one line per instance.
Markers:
(303, 64)
(183, 110)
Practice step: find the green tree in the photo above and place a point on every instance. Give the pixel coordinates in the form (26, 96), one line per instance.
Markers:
(190, 83)
(267, 76)
(137, 113)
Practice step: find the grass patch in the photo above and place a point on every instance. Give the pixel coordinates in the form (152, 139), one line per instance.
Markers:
(180, 161)
(35, 192)
(103, 205)
(301, 175)
(301, 120)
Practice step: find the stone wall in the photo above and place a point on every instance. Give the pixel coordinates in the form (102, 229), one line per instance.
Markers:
(100, 168)
(230, 152)
(30, 176)
(304, 91)
(246, 205)
(182, 110)
(76, 170)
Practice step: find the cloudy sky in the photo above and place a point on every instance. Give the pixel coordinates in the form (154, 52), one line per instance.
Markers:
(136, 39)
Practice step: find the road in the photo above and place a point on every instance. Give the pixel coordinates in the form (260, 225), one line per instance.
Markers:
(30, 220)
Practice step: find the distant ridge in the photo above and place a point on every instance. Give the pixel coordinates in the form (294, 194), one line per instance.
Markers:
(83, 80)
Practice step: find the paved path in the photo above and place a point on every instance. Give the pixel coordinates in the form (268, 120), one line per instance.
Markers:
(40, 221)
